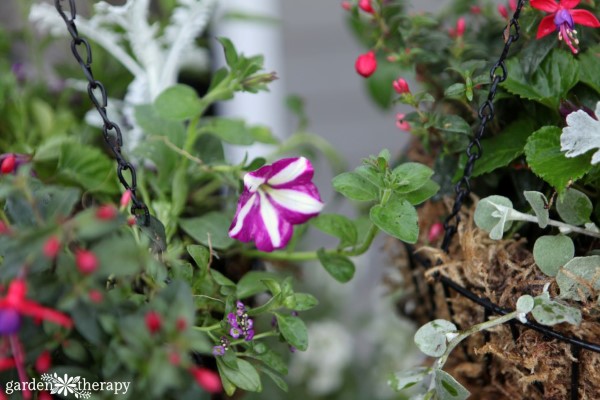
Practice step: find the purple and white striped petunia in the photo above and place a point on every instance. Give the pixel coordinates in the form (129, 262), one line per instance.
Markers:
(275, 198)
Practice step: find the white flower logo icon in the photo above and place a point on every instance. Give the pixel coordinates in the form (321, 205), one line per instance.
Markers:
(65, 385)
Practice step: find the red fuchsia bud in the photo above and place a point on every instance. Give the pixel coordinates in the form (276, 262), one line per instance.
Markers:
(181, 324)
(503, 11)
(4, 229)
(131, 221)
(435, 232)
(125, 198)
(44, 396)
(95, 296)
(51, 247)
(106, 212)
(460, 27)
(207, 379)
(86, 261)
(401, 86)
(475, 10)
(366, 64)
(346, 5)
(43, 362)
(401, 123)
(153, 321)
(512, 4)
(8, 164)
(366, 6)
(174, 359)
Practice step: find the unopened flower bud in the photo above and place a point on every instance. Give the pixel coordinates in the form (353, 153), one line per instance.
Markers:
(401, 86)
(86, 261)
(51, 247)
(366, 6)
(366, 64)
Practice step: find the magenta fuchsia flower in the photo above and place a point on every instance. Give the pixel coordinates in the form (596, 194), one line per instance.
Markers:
(563, 19)
(275, 198)
(366, 64)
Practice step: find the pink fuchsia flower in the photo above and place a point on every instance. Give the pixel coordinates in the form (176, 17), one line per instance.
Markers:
(86, 261)
(402, 124)
(208, 379)
(562, 19)
(275, 198)
(366, 64)
(459, 31)
(366, 6)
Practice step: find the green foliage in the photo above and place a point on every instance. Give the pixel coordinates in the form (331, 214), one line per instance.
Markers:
(431, 338)
(552, 252)
(550, 312)
(574, 207)
(578, 276)
(491, 215)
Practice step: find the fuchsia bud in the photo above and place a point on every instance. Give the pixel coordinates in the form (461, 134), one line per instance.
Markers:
(460, 27)
(207, 379)
(401, 123)
(106, 212)
(366, 6)
(86, 261)
(401, 86)
(475, 10)
(8, 164)
(125, 198)
(346, 5)
(366, 64)
(51, 247)
(153, 321)
(95, 296)
(512, 4)
(435, 232)
(503, 11)
(43, 362)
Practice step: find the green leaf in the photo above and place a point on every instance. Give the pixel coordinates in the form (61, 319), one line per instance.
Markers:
(431, 338)
(338, 226)
(398, 218)
(588, 62)
(88, 167)
(201, 256)
(574, 207)
(549, 163)
(380, 83)
(229, 130)
(411, 176)
(56, 203)
(293, 330)
(558, 73)
(501, 149)
(221, 279)
(74, 350)
(213, 224)
(119, 256)
(273, 360)
(525, 304)
(453, 123)
(550, 312)
(355, 187)
(539, 203)
(304, 301)
(263, 134)
(252, 283)
(155, 230)
(405, 379)
(423, 193)
(489, 218)
(552, 252)
(456, 90)
(575, 278)
(178, 103)
(279, 381)
(245, 377)
(339, 266)
(231, 55)
(448, 388)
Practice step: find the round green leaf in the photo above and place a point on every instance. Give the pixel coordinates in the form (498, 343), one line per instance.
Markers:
(525, 304)
(355, 187)
(487, 218)
(411, 176)
(179, 102)
(550, 312)
(338, 266)
(552, 252)
(574, 207)
(431, 337)
(213, 224)
(398, 218)
(338, 226)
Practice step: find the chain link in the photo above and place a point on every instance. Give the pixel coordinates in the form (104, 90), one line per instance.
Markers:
(498, 74)
(111, 132)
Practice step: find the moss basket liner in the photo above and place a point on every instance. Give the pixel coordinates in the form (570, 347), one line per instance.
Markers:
(511, 361)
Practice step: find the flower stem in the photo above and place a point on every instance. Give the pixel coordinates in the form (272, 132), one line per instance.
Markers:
(256, 337)
(468, 332)
(519, 216)
(208, 328)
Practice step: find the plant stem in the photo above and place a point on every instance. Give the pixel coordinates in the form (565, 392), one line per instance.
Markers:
(519, 216)
(474, 329)
(208, 328)
(259, 336)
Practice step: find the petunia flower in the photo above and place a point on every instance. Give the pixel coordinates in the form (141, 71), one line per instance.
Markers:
(275, 198)
(562, 19)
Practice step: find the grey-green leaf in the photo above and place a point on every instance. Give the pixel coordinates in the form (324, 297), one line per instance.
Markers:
(550, 312)
(405, 379)
(579, 269)
(489, 218)
(431, 337)
(448, 388)
(539, 204)
(574, 207)
(552, 252)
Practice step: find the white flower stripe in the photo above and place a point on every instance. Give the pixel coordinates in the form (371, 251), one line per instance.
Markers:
(252, 182)
(241, 217)
(296, 201)
(290, 172)
(270, 219)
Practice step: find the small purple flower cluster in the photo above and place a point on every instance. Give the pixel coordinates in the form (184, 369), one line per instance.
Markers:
(241, 326)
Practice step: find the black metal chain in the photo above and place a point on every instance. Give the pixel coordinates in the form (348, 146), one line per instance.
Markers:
(486, 114)
(110, 130)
